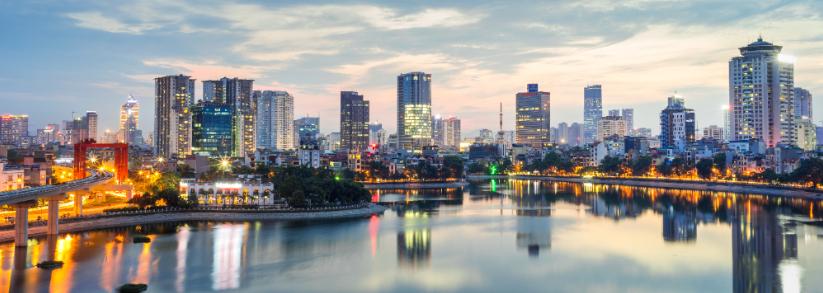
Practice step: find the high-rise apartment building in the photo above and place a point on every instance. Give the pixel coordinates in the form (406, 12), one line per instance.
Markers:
(173, 99)
(611, 126)
(592, 111)
(237, 94)
(677, 124)
(377, 135)
(533, 117)
(354, 122)
(91, 124)
(761, 90)
(414, 104)
(802, 103)
(275, 120)
(628, 115)
(806, 134)
(13, 128)
(129, 118)
(308, 130)
(212, 129)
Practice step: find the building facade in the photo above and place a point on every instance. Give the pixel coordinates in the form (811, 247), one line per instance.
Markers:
(275, 120)
(802, 103)
(238, 95)
(414, 116)
(212, 129)
(308, 130)
(354, 121)
(592, 111)
(533, 117)
(677, 124)
(174, 97)
(129, 119)
(713, 132)
(611, 126)
(13, 128)
(628, 115)
(761, 90)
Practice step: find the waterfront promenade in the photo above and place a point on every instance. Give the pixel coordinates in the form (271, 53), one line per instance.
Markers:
(735, 187)
(124, 219)
(413, 185)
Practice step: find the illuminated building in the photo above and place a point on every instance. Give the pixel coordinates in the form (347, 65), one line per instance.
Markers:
(11, 179)
(275, 120)
(761, 90)
(611, 126)
(377, 135)
(308, 128)
(354, 121)
(628, 115)
(414, 129)
(677, 124)
(450, 131)
(806, 134)
(129, 118)
(13, 128)
(212, 129)
(237, 94)
(174, 97)
(533, 117)
(592, 111)
(245, 189)
(91, 124)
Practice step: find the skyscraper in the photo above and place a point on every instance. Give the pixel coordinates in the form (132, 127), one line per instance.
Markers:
(414, 128)
(802, 103)
(533, 117)
(308, 129)
(437, 130)
(592, 111)
(677, 124)
(237, 94)
(377, 135)
(450, 130)
(354, 121)
(173, 99)
(13, 128)
(628, 115)
(91, 124)
(761, 90)
(129, 118)
(614, 112)
(727, 123)
(275, 120)
(212, 129)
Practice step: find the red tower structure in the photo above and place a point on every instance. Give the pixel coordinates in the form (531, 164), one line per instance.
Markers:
(121, 158)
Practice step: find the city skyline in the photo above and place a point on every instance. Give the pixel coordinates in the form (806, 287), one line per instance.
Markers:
(682, 53)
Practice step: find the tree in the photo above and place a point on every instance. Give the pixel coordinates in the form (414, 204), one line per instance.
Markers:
(720, 162)
(704, 168)
(809, 171)
(452, 167)
(642, 166)
(610, 165)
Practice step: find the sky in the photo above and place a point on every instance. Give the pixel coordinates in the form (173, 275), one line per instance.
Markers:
(60, 57)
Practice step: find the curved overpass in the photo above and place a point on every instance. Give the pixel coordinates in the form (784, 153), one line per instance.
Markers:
(34, 193)
(23, 199)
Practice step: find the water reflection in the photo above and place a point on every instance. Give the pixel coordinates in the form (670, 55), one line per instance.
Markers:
(461, 240)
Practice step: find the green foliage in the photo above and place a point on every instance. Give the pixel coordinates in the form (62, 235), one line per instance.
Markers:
(477, 167)
(642, 165)
(452, 167)
(810, 170)
(720, 162)
(704, 168)
(610, 165)
(305, 187)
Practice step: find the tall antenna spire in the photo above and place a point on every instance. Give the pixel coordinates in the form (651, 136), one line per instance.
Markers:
(501, 117)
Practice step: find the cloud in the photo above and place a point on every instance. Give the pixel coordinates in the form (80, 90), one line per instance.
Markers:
(96, 20)
(205, 69)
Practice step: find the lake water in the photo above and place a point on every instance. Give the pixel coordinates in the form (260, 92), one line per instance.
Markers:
(494, 236)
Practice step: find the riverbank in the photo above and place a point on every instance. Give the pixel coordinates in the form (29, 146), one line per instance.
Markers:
(415, 185)
(205, 215)
(735, 187)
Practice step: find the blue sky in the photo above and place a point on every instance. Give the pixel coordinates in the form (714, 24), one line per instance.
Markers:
(64, 56)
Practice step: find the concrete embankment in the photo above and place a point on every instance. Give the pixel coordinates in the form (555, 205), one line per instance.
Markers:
(742, 188)
(187, 216)
(415, 185)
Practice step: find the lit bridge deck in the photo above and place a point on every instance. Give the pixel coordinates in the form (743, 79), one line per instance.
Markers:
(34, 193)
(23, 199)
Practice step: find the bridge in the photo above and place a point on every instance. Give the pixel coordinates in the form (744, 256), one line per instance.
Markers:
(23, 199)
